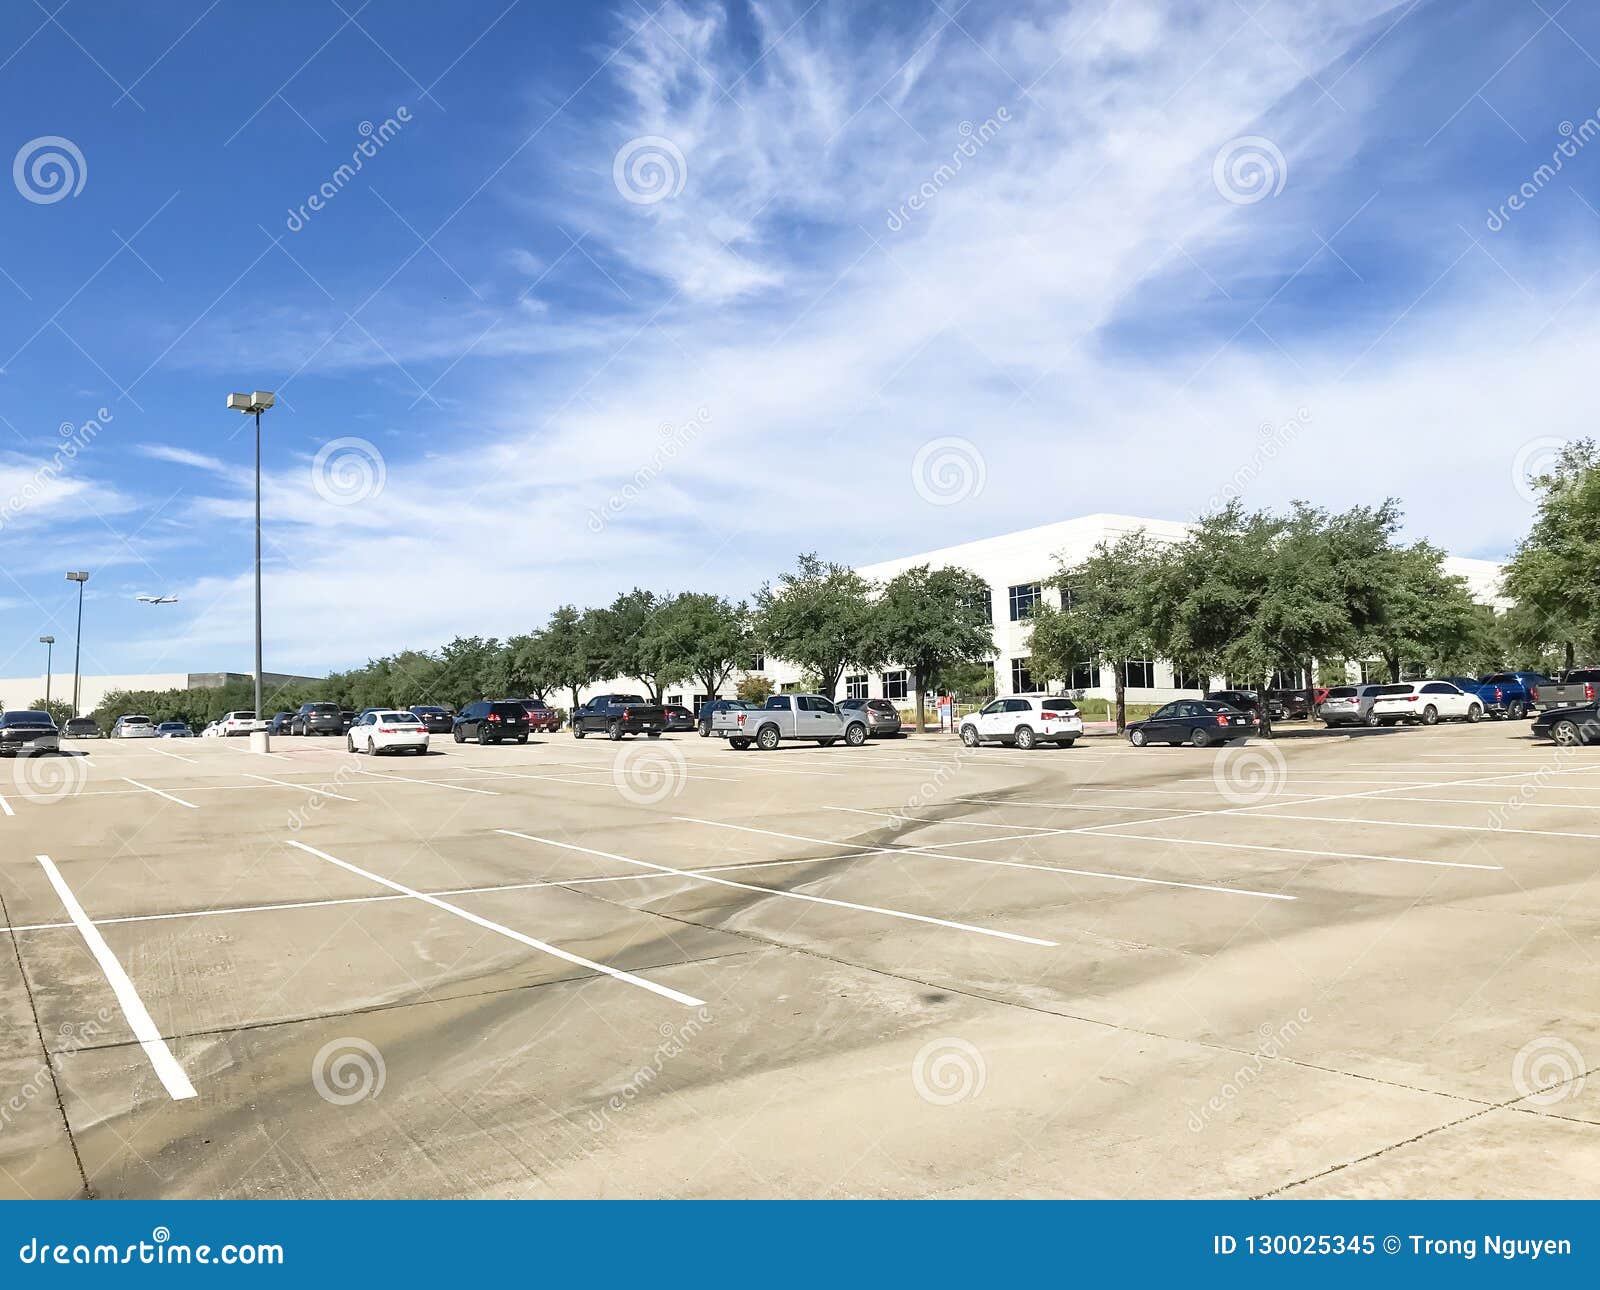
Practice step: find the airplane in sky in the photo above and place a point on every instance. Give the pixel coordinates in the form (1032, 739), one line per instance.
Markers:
(157, 600)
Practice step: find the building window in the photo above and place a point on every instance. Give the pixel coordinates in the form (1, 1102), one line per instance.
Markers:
(674, 700)
(1021, 678)
(855, 686)
(1084, 676)
(757, 663)
(1024, 597)
(700, 701)
(1185, 677)
(1066, 595)
(1288, 679)
(1373, 670)
(896, 685)
(1141, 674)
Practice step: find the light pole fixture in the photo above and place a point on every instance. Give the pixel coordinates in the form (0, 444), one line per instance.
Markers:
(77, 641)
(49, 643)
(255, 404)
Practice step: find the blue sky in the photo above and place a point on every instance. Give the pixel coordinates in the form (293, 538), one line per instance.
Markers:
(663, 294)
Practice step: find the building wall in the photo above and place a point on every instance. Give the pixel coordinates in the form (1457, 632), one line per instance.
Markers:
(20, 691)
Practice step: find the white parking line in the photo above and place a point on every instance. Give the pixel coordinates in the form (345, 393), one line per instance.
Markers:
(432, 783)
(1294, 851)
(155, 1048)
(677, 996)
(162, 752)
(927, 854)
(700, 876)
(159, 793)
(5, 807)
(1412, 824)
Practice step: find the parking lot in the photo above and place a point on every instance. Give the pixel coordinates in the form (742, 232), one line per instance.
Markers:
(1331, 965)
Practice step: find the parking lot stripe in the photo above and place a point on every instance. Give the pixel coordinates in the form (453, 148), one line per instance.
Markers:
(432, 783)
(700, 876)
(5, 806)
(923, 819)
(929, 854)
(304, 788)
(155, 1048)
(159, 793)
(162, 752)
(1293, 851)
(1412, 824)
(677, 996)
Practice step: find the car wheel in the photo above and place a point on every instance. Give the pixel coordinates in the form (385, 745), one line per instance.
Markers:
(1474, 714)
(1066, 743)
(1372, 719)
(855, 735)
(1515, 711)
(767, 738)
(1136, 738)
(653, 734)
(969, 736)
(614, 730)
(372, 750)
(1430, 715)
(455, 733)
(740, 743)
(1198, 739)
(577, 731)
(1024, 738)
(705, 731)
(522, 739)
(1567, 734)
(349, 745)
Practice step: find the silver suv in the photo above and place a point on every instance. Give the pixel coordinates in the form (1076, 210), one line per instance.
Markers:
(1350, 705)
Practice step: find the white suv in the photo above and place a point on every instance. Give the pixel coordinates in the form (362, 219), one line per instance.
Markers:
(1427, 702)
(239, 723)
(1024, 720)
(130, 726)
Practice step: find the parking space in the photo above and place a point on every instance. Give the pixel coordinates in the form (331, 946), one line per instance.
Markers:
(585, 967)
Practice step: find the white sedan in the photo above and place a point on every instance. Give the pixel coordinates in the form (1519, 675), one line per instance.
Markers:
(385, 730)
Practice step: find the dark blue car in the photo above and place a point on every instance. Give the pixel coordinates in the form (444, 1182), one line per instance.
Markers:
(1196, 722)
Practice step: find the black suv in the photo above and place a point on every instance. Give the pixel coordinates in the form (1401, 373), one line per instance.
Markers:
(435, 720)
(491, 723)
(317, 719)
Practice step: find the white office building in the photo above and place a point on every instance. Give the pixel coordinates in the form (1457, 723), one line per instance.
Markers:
(1018, 568)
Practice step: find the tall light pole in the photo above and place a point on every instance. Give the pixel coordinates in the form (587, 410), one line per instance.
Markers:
(255, 404)
(77, 641)
(49, 643)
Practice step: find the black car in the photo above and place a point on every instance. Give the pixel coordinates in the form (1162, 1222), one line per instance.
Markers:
(1297, 705)
(347, 718)
(317, 719)
(1250, 701)
(435, 720)
(1198, 722)
(709, 709)
(81, 728)
(491, 722)
(26, 730)
(619, 714)
(1569, 727)
(279, 725)
(678, 717)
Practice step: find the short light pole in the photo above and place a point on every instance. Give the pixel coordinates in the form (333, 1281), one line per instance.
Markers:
(49, 643)
(255, 404)
(77, 641)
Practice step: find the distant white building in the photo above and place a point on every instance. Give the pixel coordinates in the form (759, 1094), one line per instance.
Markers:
(21, 691)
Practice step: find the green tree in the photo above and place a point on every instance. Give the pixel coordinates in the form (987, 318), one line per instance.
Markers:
(568, 650)
(620, 642)
(928, 619)
(818, 616)
(59, 709)
(697, 635)
(1428, 615)
(1555, 570)
(1110, 611)
(753, 688)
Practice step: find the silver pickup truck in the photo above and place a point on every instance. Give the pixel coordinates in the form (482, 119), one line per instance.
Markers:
(1574, 690)
(790, 716)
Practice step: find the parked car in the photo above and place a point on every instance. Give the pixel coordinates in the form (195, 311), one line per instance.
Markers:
(491, 722)
(1576, 689)
(317, 719)
(1297, 705)
(27, 730)
(173, 730)
(1250, 701)
(382, 730)
(242, 722)
(1196, 722)
(213, 730)
(541, 716)
(710, 708)
(346, 719)
(436, 720)
(1425, 703)
(133, 726)
(1569, 727)
(881, 716)
(678, 717)
(81, 728)
(788, 716)
(1349, 705)
(617, 715)
(1024, 721)
(1510, 694)
(280, 723)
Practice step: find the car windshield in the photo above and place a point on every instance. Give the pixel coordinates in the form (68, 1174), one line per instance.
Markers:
(627, 698)
(1058, 705)
(29, 717)
(1386, 690)
(136, 721)
(1342, 692)
(170, 725)
(407, 718)
(880, 705)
